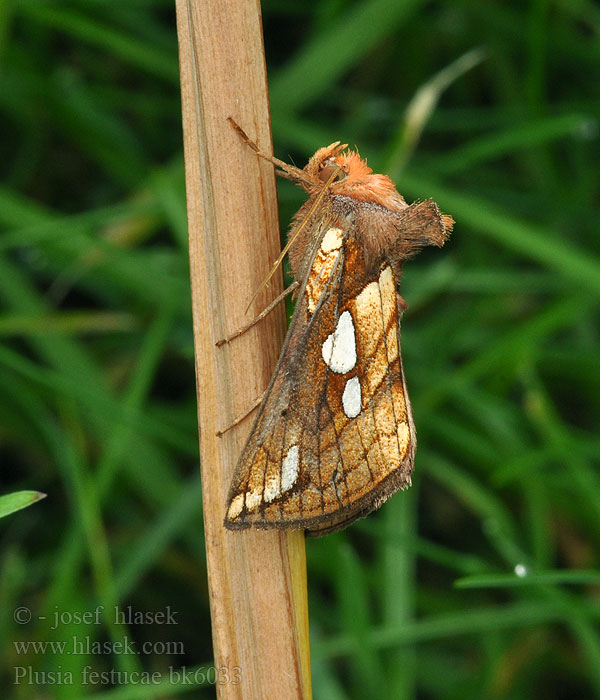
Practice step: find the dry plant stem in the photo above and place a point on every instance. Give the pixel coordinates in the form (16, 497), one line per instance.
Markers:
(257, 580)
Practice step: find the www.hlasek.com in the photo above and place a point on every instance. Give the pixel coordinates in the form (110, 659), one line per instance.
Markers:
(203, 675)
(79, 645)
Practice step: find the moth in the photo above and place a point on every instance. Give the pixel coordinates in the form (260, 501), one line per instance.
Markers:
(334, 435)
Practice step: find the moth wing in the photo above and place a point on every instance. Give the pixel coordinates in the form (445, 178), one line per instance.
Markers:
(334, 436)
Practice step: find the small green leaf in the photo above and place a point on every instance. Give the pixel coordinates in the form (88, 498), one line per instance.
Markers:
(20, 499)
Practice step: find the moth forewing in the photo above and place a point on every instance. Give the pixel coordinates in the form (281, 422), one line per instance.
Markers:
(334, 436)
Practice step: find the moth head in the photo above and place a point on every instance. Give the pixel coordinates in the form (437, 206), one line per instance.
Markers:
(322, 165)
(354, 179)
(330, 168)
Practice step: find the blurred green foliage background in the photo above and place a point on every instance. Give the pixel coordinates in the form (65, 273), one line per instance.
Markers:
(482, 581)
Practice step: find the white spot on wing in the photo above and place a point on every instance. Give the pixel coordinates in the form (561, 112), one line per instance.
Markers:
(236, 507)
(253, 499)
(276, 486)
(351, 398)
(272, 489)
(332, 240)
(289, 469)
(339, 348)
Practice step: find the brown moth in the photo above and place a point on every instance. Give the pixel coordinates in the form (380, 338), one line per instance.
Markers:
(334, 436)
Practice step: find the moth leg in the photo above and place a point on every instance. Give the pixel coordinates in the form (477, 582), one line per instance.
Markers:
(242, 416)
(260, 316)
(402, 304)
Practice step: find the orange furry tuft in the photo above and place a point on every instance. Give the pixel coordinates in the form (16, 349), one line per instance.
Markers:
(358, 179)
(362, 184)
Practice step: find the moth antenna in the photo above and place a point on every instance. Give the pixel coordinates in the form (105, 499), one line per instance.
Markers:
(337, 170)
(289, 171)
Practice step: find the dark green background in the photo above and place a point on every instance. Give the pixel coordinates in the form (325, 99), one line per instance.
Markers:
(501, 342)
